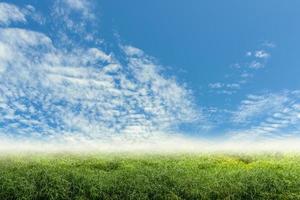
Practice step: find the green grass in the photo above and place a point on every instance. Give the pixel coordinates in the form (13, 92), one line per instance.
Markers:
(150, 177)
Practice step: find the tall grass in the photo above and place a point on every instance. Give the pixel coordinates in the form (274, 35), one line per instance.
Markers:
(150, 177)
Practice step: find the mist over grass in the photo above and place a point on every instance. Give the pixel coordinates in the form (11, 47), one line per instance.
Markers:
(159, 168)
(148, 176)
(163, 144)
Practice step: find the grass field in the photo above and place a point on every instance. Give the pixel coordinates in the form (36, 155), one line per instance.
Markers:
(66, 176)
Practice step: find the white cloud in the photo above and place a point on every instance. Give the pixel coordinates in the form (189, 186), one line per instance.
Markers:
(262, 54)
(21, 38)
(224, 88)
(75, 16)
(260, 58)
(244, 71)
(269, 115)
(83, 6)
(219, 85)
(46, 91)
(10, 13)
(259, 54)
(256, 65)
(216, 85)
(233, 86)
(256, 105)
(132, 51)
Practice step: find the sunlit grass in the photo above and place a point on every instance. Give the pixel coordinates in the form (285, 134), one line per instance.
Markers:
(112, 176)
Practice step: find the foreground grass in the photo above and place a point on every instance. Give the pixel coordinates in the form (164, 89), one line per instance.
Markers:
(150, 177)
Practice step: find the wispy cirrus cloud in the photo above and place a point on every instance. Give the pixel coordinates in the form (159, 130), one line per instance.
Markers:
(268, 115)
(259, 58)
(261, 54)
(49, 91)
(256, 65)
(224, 88)
(10, 13)
(256, 105)
(242, 72)
(75, 18)
(83, 6)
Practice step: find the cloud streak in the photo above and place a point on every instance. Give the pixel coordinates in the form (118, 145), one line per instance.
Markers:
(52, 92)
(268, 115)
(242, 72)
(10, 13)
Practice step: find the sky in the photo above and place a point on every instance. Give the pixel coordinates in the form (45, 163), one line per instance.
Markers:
(73, 70)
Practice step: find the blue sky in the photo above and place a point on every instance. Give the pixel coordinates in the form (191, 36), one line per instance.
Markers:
(140, 69)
